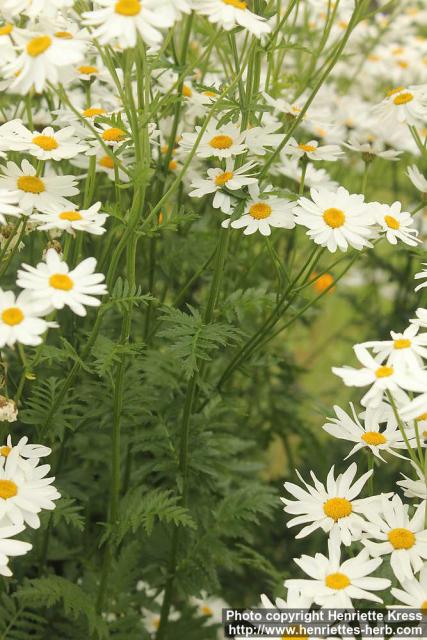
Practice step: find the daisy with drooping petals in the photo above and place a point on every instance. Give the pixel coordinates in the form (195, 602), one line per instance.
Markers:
(404, 537)
(9, 547)
(368, 435)
(34, 8)
(36, 192)
(219, 179)
(88, 220)
(25, 491)
(336, 220)
(396, 224)
(371, 149)
(222, 142)
(48, 144)
(20, 320)
(232, 13)
(331, 507)
(40, 58)
(335, 584)
(312, 150)
(382, 378)
(121, 21)
(264, 211)
(54, 286)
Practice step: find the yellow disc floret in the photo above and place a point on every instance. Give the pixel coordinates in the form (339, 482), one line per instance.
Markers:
(61, 281)
(39, 45)
(337, 581)
(221, 142)
(47, 143)
(223, 178)
(402, 343)
(374, 438)
(114, 134)
(71, 216)
(384, 372)
(31, 184)
(8, 489)
(392, 222)
(260, 210)
(403, 98)
(334, 218)
(4, 451)
(12, 316)
(337, 508)
(128, 7)
(401, 538)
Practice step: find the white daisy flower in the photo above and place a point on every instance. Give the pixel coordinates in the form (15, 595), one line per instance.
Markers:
(222, 142)
(209, 607)
(294, 600)
(368, 434)
(121, 21)
(404, 105)
(264, 211)
(20, 320)
(413, 592)
(219, 179)
(332, 506)
(48, 144)
(417, 178)
(312, 150)
(40, 58)
(230, 14)
(335, 584)
(54, 286)
(396, 224)
(89, 220)
(23, 449)
(9, 547)
(24, 493)
(36, 192)
(372, 148)
(317, 178)
(336, 220)
(405, 351)
(404, 537)
(381, 377)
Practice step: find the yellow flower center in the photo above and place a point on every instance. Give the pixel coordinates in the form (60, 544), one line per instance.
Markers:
(374, 438)
(423, 416)
(223, 178)
(221, 142)
(61, 281)
(334, 218)
(237, 4)
(128, 7)
(106, 162)
(71, 216)
(8, 489)
(260, 210)
(87, 69)
(4, 451)
(323, 282)
(403, 98)
(47, 143)
(12, 316)
(91, 112)
(114, 135)
(186, 91)
(401, 538)
(207, 611)
(424, 605)
(337, 581)
(384, 372)
(173, 165)
(402, 343)
(210, 94)
(38, 45)
(392, 222)
(6, 29)
(64, 35)
(337, 508)
(30, 184)
(307, 147)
